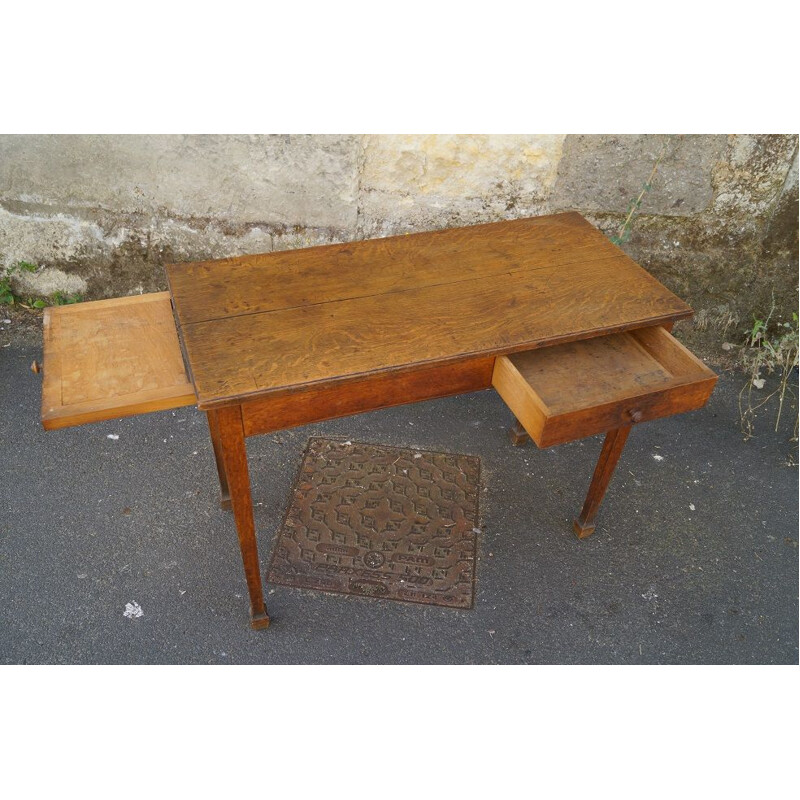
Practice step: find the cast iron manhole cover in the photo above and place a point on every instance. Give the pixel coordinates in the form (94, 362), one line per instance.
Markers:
(381, 521)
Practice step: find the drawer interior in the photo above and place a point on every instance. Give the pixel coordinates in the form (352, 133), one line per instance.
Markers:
(581, 388)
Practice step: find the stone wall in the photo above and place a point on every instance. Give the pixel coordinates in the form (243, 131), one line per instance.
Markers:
(102, 214)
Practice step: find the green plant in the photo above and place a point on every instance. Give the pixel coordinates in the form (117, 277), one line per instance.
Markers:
(61, 299)
(769, 347)
(7, 296)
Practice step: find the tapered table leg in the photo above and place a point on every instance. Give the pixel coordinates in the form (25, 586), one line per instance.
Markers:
(517, 434)
(224, 492)
(609, 455)
(234, 459)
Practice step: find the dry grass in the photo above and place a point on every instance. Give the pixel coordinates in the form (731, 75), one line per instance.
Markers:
(770, 347)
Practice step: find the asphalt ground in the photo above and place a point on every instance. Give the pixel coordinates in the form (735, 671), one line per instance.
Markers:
(694, 561)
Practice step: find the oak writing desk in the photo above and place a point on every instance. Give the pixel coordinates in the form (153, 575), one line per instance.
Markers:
(570, 331)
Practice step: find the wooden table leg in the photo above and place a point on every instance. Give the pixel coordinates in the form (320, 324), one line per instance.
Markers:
(234, 458)
(609, 455)
(517, 434)
(224, 492)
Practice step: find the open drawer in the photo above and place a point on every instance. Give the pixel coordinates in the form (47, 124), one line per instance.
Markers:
(578, 389)
(112, 358)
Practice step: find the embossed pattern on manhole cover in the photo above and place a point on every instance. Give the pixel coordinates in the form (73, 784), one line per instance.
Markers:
(381, 521)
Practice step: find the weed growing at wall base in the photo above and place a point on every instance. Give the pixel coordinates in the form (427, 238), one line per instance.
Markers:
(769, 347)
(9, 297)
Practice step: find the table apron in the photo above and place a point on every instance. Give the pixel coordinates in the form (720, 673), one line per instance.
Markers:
(267, 414)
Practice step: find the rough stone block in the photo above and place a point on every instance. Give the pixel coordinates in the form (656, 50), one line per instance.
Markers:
(750, 180)
(56, 238)
(48, 281)
(781, 237)
(604, 173)
(273, 180)
(416, 182)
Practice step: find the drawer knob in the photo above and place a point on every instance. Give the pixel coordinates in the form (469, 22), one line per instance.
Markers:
(635, 415)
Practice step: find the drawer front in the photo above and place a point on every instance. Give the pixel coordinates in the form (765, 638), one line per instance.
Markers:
(581, 389)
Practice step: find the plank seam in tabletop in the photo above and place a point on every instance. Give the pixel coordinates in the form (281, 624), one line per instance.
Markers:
(187, 365)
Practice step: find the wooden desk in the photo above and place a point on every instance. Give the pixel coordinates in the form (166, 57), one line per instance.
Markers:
(284, 339)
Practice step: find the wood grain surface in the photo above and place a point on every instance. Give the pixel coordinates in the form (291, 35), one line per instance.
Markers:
(327, 315)
(111, 358)
(289, 279)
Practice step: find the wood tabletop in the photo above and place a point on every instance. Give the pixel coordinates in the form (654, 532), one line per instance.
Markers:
(280, 322)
